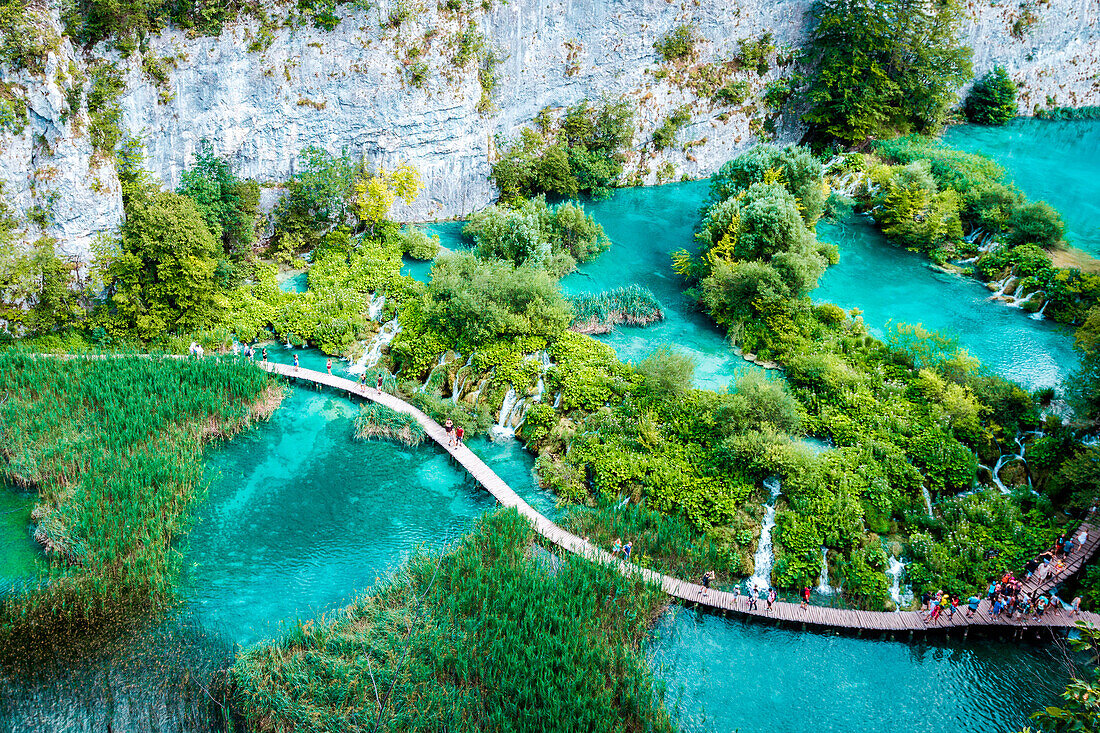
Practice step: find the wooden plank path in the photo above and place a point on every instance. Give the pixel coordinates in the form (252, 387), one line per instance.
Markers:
(814, 616)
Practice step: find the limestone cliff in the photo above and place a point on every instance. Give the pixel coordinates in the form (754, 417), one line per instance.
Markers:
(353, 87)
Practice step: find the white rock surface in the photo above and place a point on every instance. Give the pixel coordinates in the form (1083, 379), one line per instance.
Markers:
(347, 88)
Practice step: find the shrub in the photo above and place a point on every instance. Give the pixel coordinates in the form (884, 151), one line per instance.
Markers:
(665, 135)
(679, 43)
(733, 93)
(1036, 223)
(992, 99)
(418, 245)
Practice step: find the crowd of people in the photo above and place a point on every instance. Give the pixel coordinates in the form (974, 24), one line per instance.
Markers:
(1008, 596)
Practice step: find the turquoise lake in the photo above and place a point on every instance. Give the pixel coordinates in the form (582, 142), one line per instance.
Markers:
(1055, 161)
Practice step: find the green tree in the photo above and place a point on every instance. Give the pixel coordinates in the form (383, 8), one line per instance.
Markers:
(992, 99)
(318, 196)
(912, 210)
(228, 204)
(878, 67)
(797, 168)
(1036, 223)
(36, 286)
(161, 276)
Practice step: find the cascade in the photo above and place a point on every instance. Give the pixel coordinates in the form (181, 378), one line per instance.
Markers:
(823, 586)
(764, 557)
(506, 408)
(456, 391)
(1038, 315)
(557, 400)
(897, 567)
(374, 310)
(477, 392)
(372, 352)
(927, 499)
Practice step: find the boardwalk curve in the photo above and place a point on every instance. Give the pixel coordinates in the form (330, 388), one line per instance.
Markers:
(814, 616)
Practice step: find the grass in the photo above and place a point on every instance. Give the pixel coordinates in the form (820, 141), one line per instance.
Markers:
(494, 635)
(666, 543)
(632, 305)
(379, 421)
(113, 447)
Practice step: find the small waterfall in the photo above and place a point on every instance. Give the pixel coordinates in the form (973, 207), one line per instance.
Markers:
(823, 586)
(476, 394)
(1002, 287)
(764, 557)
(927, 500)
(557, 400)
(374, 310)
(372, 353)
(506, 408)
(897, 567)
(1038, 315)
(456, 391)
(540, 386)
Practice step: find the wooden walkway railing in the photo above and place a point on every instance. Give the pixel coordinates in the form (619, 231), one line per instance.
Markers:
(816, 616)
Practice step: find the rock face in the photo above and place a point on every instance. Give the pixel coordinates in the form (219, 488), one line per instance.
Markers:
(351, 88)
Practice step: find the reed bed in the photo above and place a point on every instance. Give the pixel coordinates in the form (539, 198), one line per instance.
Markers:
(113, 446)
(378, 421)
(483, 638)
(663, 542)
(632, 305)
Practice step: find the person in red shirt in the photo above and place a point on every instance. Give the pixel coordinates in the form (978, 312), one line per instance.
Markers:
(459, 432)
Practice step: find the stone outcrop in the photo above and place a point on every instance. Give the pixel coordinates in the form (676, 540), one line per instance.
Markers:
(351, 88)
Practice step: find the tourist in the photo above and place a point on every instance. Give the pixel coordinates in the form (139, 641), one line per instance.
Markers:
(236, 348)
(1031, 566)
(380, 376)
(459, 432)
(1083, 537)
(805, 596)
(707, 577)
(265, 355)
(1059, 545)
(1040, 606)
(1075, 605)
(295, 361)
(626, 550)
(616, 547)
(995, 609)
(1067, 548)
(771, 598)
(925, 597)
(328, 366)
(736, 592)
(972, 605)
(363, 380)
(449, 428)
(954, 607)
(752, 598)
(1056, 603)
(992, 591)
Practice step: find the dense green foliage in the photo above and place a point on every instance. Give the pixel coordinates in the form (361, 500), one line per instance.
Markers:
(678, 43)
(318, 197)
(487, 637)
(992, 99)
(113, 447)
(36, 294)
(582, 152)
(879, 67)
(528, 232)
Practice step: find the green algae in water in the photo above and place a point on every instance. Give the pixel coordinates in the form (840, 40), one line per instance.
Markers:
(889, 283)
(726, 675)
(1056, 161)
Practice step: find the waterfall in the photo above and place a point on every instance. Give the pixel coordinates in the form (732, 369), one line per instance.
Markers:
(1038, 315)
(557, 400)
(764, 557)
(897, 567)
(476, 394)
(540, 386)
(823, 586)
(372, 352)
(510, 401)
(927, 500)
(374, 310)
(456, 391)
(1002, 287)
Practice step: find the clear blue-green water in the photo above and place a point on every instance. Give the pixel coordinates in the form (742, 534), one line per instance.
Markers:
(724, 675)
(1056, 161)
(18, 552)
(889, 283)
(295, 282)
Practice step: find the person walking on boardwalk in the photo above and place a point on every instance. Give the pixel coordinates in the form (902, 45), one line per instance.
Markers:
(616, 547)
(736, 592)
(459, 433)
(380, 376)
(708, 577)
(805, 597)
(449, 428)
(1040, 607)
(328, 366)
(752, 598)
(265, 355)
(626, 550)
(771, 598)
(972, 606)
(295, 361)
(1083, 537)
(1075, 605)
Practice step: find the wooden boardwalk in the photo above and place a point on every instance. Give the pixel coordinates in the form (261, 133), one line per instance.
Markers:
(910, 622)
